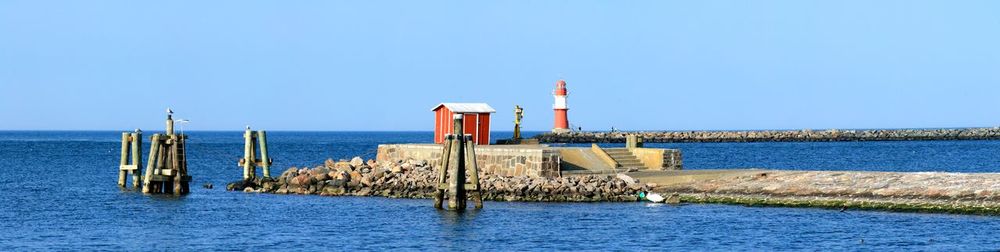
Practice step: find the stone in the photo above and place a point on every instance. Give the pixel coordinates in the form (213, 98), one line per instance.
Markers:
(357, 162)
(628, 179)
(207, 186)
(343, 166)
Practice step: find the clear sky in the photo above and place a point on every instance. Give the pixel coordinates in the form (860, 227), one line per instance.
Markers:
(382, 65)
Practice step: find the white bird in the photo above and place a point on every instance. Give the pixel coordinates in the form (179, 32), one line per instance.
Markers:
(170, 111)
(654, 197)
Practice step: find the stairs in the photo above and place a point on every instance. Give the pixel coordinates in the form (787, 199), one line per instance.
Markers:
(625, 158)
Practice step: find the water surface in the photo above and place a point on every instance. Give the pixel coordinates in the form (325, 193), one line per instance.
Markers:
(59, 193)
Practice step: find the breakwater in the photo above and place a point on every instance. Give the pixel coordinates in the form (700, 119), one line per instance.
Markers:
(414, 179)
(965, 193)
(830, 135)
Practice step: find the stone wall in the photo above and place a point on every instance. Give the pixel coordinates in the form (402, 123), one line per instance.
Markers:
(492, 159)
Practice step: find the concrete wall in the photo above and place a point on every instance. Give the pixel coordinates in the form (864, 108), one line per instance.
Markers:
(511, 160)
(577, 158)
(659, 159)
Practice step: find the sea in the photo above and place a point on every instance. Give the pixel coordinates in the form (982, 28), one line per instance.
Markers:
(58, 192)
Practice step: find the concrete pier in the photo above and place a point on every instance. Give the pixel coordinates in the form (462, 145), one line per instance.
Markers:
(543, 160)
(935, 192)
(968, 193)
(829, 135)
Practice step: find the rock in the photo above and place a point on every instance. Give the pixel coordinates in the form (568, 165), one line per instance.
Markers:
(207, 186)
(342, 175)
(329, 164)
(320, 173)
(673, 199)
(343, 166)
(300, 180)
(628, 179)
(290, 172)
(248, 189)
(356, 162)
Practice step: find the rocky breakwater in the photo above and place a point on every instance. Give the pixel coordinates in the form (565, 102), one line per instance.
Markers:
(966, 193)
(831, 135)
(416, 179)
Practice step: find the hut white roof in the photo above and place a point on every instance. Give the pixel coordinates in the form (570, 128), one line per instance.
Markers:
(466, 107)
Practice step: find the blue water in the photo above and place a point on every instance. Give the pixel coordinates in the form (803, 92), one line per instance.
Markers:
(58, 192)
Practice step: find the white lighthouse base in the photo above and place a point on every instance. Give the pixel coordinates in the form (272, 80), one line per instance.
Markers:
(560, 130)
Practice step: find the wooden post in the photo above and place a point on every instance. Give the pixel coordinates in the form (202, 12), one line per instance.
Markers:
(442, 185)
(265, 161)
(136, 158)
(248, 170)
(176, 165)
(124, 161)
(473, 168)
(456, 180)
(151, 164)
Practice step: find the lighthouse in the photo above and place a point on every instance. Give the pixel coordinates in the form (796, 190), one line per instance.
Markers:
(560, 108)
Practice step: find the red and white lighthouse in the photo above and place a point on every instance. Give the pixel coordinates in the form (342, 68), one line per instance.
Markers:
(561, 122)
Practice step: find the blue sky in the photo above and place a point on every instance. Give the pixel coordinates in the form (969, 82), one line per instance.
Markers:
(381, 65)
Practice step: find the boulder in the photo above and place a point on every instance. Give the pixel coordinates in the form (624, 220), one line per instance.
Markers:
(343, 166)
(290, 172)
(628, 179)
(356, 162)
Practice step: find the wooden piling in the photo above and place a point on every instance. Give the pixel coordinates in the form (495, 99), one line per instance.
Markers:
(131, 147)
(457, 159)
(456, 170)
(248, 154)
(166, 169)
(473, 170)
(154, 151)
(124, 160)
(443, 172)
(264, 158)
(136, 138)
(252, 141)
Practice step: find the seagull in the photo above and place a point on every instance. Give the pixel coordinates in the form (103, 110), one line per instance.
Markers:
(170, 111)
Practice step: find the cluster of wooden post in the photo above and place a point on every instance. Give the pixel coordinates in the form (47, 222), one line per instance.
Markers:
(458, 157)
(131, 150)
(254, 141)
(166, 168)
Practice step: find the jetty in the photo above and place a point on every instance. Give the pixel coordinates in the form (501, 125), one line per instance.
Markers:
(805, 135)
(932, 192)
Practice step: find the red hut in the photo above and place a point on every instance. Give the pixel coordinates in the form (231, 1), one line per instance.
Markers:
(476, 120)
